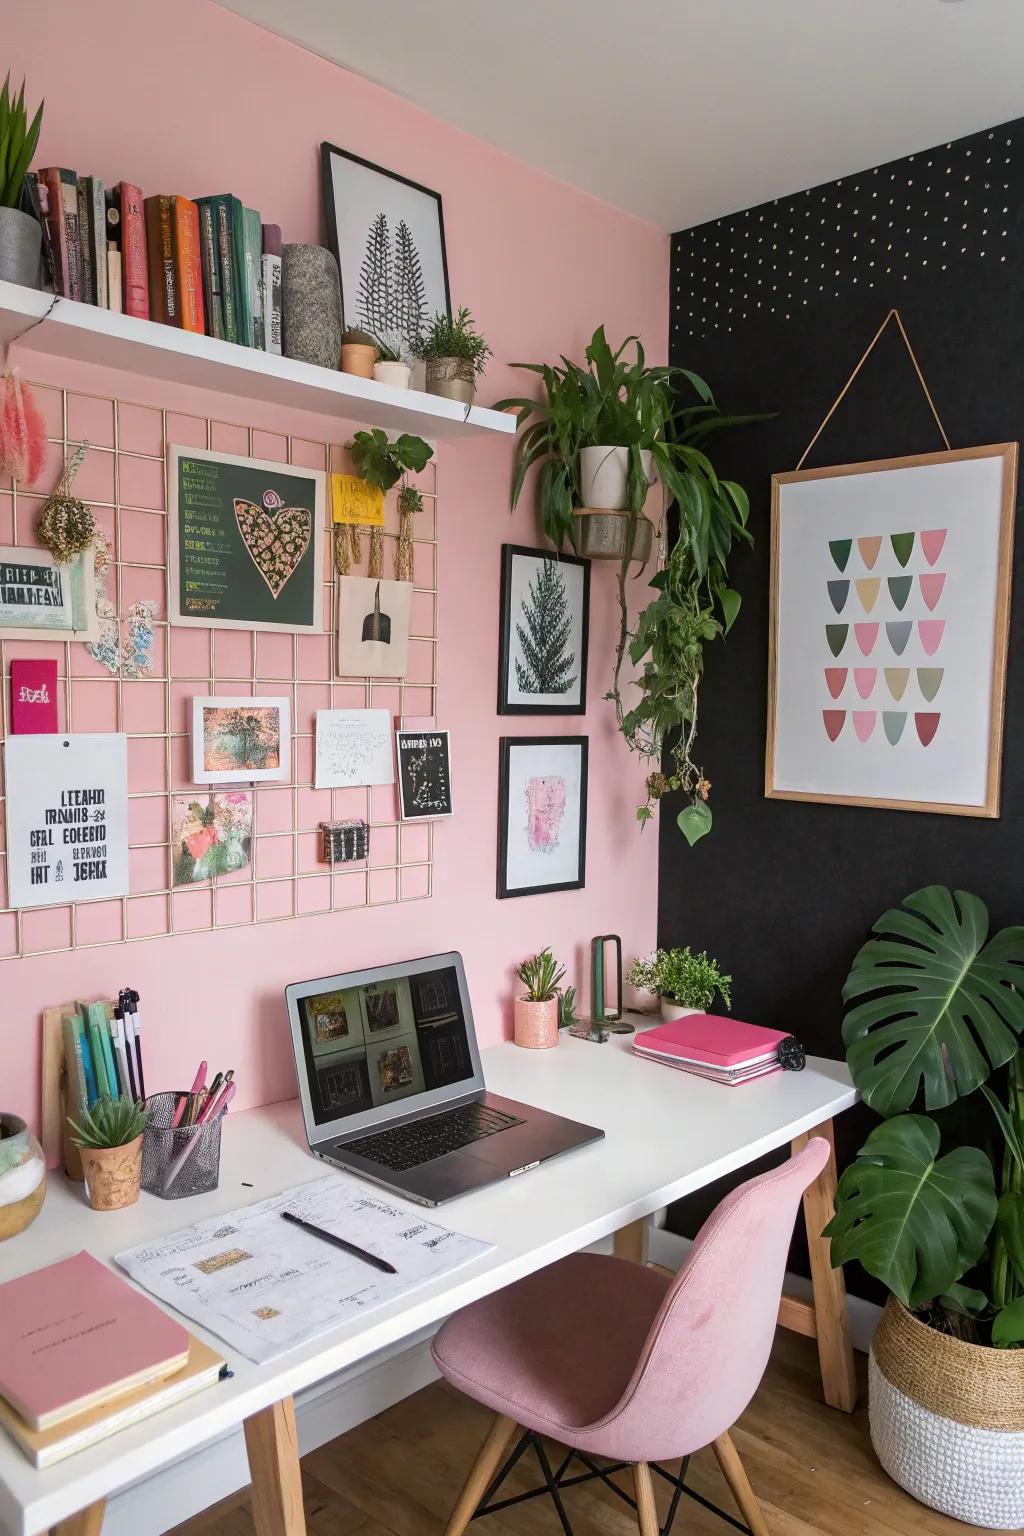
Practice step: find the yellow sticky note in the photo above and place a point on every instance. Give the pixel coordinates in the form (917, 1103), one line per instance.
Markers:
(353, 501)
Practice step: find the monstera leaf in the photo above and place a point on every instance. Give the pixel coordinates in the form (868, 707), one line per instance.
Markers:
(933, 1003)
(915, 1221)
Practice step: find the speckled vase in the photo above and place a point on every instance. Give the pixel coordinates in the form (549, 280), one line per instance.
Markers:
(311, 305)
(536, 1024)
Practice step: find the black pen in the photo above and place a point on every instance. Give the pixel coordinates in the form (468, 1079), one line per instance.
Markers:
(339, 1242)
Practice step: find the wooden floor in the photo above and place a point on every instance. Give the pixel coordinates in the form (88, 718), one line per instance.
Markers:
(398, 1475)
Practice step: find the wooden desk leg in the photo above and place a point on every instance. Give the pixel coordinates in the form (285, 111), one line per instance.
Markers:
(88, 1522)
(630, 1242)
(838, 1377)
(273, 1449)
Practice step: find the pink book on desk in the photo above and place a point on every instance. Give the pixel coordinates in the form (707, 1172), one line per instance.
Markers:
(709, 1040)
(74, 1334)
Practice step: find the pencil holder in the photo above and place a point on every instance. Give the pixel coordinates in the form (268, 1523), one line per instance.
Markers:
(179, 1161)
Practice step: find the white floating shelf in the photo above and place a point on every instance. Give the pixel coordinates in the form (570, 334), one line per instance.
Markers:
(84, 333)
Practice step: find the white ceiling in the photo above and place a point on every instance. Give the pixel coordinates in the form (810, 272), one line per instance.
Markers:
(683, 110)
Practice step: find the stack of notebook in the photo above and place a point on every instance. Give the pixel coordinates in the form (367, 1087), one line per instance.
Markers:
(83, 1354)
(724, 1050)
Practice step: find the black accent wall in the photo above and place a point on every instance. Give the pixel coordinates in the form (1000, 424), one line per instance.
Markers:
(774, 306)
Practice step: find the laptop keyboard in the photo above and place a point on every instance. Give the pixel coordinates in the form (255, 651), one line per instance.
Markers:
(422, 1141)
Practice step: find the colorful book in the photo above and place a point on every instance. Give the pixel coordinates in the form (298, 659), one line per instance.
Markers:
(220, 209)
(115, 279)
(210, 260)
(271, 263)
(74, 1063)
(163, 294)
(100, 1021)
(62, 216)
(188, 272)
(85, 260)
(36, 200)
(95, 238)
(75, 1335)
(92, 1090)
(44, 1447)
(99, 1061)
(252, 242)
(134, 263)
(243, 296)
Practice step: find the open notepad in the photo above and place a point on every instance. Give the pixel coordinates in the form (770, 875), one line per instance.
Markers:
(265, 1285)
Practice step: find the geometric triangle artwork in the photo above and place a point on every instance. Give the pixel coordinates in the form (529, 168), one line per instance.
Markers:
(899, 590)
(867, 591)
(927, 725)
(835, 680)
(836, 635)
(897, 679)
(834, 720)
(898, 634)
(894, 721)
(838, 592)
(932, 541)
(840, 551)
(902, 546)
(932, 583)
(929, 680)
(869, 548)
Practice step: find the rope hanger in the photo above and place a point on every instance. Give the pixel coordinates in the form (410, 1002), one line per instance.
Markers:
(893, 314)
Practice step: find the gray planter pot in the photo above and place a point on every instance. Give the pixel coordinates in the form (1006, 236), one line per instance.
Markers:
(452, 377)
(603, 535)
(21, 242)
(311, 305)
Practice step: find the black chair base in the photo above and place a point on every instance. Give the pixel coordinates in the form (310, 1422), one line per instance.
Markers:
(555, 1482)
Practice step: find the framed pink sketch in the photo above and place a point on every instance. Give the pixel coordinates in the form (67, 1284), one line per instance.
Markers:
(241, 739)
(542, 814)
(890, 595)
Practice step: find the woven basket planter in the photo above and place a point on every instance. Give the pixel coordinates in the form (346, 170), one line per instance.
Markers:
(947, 1420)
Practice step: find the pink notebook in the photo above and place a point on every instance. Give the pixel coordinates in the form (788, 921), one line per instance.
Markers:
(709, 1040)
(74, 1334)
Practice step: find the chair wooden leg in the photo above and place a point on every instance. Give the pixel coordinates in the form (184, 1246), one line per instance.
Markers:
(272, 1445)
(481, 1473)
(734, 1474)
(87, 1522)
(831, 1326)
(646, 1510)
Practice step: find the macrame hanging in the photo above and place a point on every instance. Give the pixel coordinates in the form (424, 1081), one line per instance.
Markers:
(376, 566)
(65, 526)
(410, 501)
(22, 431)
(348, 549)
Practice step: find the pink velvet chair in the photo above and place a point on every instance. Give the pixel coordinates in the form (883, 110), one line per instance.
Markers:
(616, 1360)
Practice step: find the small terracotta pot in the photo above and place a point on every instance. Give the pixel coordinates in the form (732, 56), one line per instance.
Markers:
(536, 1024)
(113, 1175)
(395, 374)
(357, 357)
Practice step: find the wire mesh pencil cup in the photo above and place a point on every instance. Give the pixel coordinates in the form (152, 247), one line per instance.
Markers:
(179, 1161)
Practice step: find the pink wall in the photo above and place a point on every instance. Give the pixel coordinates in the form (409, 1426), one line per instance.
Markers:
(179, 95)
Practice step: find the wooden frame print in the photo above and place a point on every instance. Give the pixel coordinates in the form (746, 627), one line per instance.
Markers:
(889, 621)
(544, 632)
(542, 814)
(384, 228)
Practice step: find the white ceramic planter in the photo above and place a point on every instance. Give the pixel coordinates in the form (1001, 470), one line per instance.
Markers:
(395, 374)
(603, 474)
(672, 1010)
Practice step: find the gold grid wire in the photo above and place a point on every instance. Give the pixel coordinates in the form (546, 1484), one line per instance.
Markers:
(341, 879)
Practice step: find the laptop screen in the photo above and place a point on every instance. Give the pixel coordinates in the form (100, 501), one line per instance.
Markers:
(391, 1039)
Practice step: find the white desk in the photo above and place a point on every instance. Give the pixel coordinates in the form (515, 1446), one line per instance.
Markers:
(667, 1134)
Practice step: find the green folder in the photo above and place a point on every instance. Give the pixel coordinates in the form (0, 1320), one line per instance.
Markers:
(103, 1053)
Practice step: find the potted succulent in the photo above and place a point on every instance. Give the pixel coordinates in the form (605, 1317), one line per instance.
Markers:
(455, 355)
(110, 1136)
(391, 366)
(538, 1008)
(382, 462)
(21, 236)
(935, 1015)
(359, 352)
(682, 981)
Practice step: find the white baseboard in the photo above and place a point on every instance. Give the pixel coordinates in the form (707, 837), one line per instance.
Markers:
(669, 1249)
(186, 1487)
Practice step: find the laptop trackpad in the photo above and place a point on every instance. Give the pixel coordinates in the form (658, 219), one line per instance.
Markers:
(520, 1145)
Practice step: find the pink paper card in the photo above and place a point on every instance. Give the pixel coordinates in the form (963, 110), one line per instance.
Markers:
(33, 698)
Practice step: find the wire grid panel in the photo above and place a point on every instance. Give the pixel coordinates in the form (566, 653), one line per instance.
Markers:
(123, 478)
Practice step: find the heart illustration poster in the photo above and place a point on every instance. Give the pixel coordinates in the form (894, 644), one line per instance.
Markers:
(245, 542)
(890, 594)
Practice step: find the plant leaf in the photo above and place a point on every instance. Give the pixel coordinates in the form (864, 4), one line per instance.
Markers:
(934, 1005)
(1008, 1328)
(965, 1300)
(694, 822)
(730, 603)
(1007, 1126)
(1010, 1222)
(916, 1221)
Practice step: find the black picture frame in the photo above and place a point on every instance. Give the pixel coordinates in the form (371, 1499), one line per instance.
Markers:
(424, 774)
(509, 554)
(331, 218)
(507, 745)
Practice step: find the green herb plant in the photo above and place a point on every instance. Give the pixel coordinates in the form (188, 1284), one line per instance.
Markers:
(541, 977)
(110, 1123)
(382, 463)
(456, 337)
(933, 1011)
(18, 140)
(410, 500)
(567, 1015)
(685, 978)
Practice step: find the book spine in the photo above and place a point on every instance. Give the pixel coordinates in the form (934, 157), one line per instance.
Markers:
(227, 275)
(72, 241)
(83, 199)
(211, 271)
(272, 304)
(92, 1091)
(49, 180)
(163, 289)
(114, 278)
(243, 306)
(103, 1090)
(133, 252)
(98, 239)
(35, 191)
(77, 1093)
(187, 265)
(254, 272)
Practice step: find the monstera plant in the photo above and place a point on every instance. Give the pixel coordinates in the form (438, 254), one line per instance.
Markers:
(935, 1012)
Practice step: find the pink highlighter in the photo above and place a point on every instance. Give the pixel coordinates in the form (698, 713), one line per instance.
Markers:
(186, 1098)
(213, 1107)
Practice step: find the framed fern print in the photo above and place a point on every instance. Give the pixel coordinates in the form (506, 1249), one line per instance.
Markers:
(388, 236)
(545, 624)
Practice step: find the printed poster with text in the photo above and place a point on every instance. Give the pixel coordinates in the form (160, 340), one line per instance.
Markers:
(67, 818)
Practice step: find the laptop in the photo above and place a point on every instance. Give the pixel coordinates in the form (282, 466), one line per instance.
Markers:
(392, 1088)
